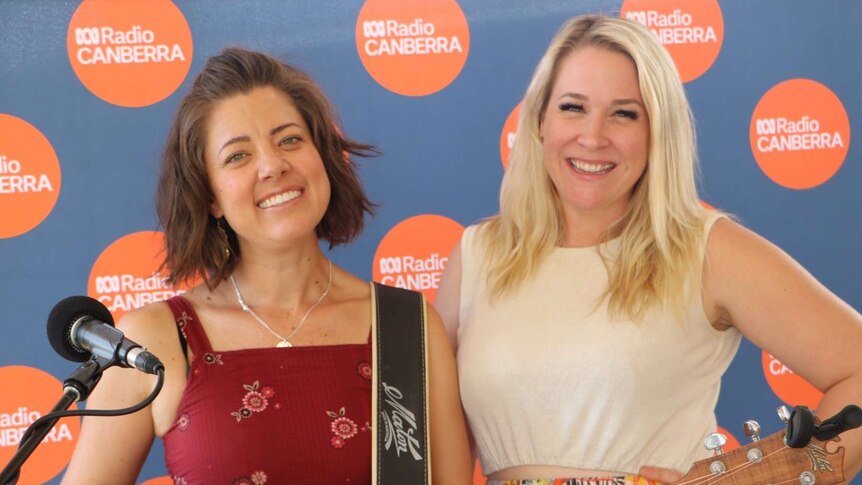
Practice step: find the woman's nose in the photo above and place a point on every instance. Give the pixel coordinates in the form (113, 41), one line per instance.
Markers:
(593, 133)
(272, 163)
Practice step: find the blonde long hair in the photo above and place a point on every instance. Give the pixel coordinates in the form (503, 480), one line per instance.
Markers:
(661, 229)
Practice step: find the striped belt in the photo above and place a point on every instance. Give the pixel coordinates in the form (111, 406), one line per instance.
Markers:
(626, 480)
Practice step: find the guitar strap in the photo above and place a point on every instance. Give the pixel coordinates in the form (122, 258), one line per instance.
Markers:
(399, 390)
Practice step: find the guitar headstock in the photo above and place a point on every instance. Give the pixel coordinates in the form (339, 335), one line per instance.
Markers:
(770, 461)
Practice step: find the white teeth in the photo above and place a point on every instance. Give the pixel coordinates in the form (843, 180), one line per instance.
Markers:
(279, 199)
(591, 167)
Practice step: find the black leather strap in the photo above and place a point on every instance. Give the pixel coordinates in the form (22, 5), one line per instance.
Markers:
(400, 397)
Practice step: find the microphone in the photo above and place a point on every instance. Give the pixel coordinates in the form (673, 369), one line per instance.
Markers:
(80, 327)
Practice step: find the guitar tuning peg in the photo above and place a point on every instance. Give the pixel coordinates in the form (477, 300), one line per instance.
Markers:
(714, 442)
(783, 413)
(751, 429)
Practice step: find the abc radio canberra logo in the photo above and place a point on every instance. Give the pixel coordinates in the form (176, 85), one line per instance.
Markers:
(29, 176)
(28, 393)
(692, 31)
(413, 254)
(125, 276)
(799, 133)
(411, 272)
(787, 385)
(412, 47)
(131, 53)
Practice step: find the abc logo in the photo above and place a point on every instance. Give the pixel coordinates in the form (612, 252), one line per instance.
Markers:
(691, 31)
(412, 47)
(35, 393)
(788, 386)
(126, 275)
(413, 254)
(29, 176)
(799, 133)
(130, 53)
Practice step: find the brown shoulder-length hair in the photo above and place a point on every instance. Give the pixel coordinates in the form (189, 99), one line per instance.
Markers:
(194, 244)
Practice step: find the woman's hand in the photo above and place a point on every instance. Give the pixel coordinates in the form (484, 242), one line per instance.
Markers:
(663, 476)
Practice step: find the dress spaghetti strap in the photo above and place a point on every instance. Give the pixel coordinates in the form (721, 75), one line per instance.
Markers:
(189, 325)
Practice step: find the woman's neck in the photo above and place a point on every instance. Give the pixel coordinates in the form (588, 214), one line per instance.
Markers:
(581, 232)
(286, 279)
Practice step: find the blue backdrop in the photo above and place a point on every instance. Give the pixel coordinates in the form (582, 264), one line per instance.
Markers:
(440, 151)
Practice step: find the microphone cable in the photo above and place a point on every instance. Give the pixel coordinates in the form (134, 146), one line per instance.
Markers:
(160, 373)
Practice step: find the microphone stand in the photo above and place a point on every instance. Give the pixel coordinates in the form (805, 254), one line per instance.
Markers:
(76, 387)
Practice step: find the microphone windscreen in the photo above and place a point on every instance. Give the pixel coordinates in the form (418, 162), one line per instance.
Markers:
(64, 315)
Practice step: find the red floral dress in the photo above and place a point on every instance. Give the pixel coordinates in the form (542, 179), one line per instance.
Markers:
(270, 415)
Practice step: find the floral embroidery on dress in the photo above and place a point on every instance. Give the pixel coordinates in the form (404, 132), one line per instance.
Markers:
(256, 478)
(213, 358)
(184, 318)
(254, 401)
(179, 480)
(364, 370)
(181, 323)
(183, 421)
(343, 428)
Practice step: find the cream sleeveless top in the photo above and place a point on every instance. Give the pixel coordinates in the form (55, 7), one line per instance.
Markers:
(547, 378)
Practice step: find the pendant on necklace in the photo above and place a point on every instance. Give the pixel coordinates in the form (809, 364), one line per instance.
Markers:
(284, 343)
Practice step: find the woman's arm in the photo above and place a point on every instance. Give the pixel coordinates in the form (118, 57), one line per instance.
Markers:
(450, 453)
(751, 284)
(448, 301)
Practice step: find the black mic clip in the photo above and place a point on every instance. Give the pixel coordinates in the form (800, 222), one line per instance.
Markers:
(83, 380)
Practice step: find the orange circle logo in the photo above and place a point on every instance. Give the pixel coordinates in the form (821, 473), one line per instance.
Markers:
(125, 276)
(413, 254)
(692, 31)
(412, 47)
(130, 53)
(732, 442)
(35, 393)
(160, 481)
(478, 476)
(799, 133)
(29, 176)
(788, 386)
(507, 137)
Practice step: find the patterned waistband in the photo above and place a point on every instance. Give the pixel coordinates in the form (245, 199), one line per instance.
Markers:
(626, 480)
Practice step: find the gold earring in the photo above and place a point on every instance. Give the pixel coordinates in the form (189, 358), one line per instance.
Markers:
(225, 242)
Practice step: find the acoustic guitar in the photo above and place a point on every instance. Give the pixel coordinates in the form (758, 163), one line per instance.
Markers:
(806, 460)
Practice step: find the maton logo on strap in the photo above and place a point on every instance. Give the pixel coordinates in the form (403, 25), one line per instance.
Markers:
(412, 47)
(29, 176)
(28, 393)
(125, 276)
(788, 386)
(692, 31)
(131, 53)
(413, 254)
(799, 133)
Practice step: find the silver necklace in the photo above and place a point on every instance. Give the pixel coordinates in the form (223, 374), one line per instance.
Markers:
(283, 341)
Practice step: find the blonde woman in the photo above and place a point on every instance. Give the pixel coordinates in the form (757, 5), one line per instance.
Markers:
(595, 314)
